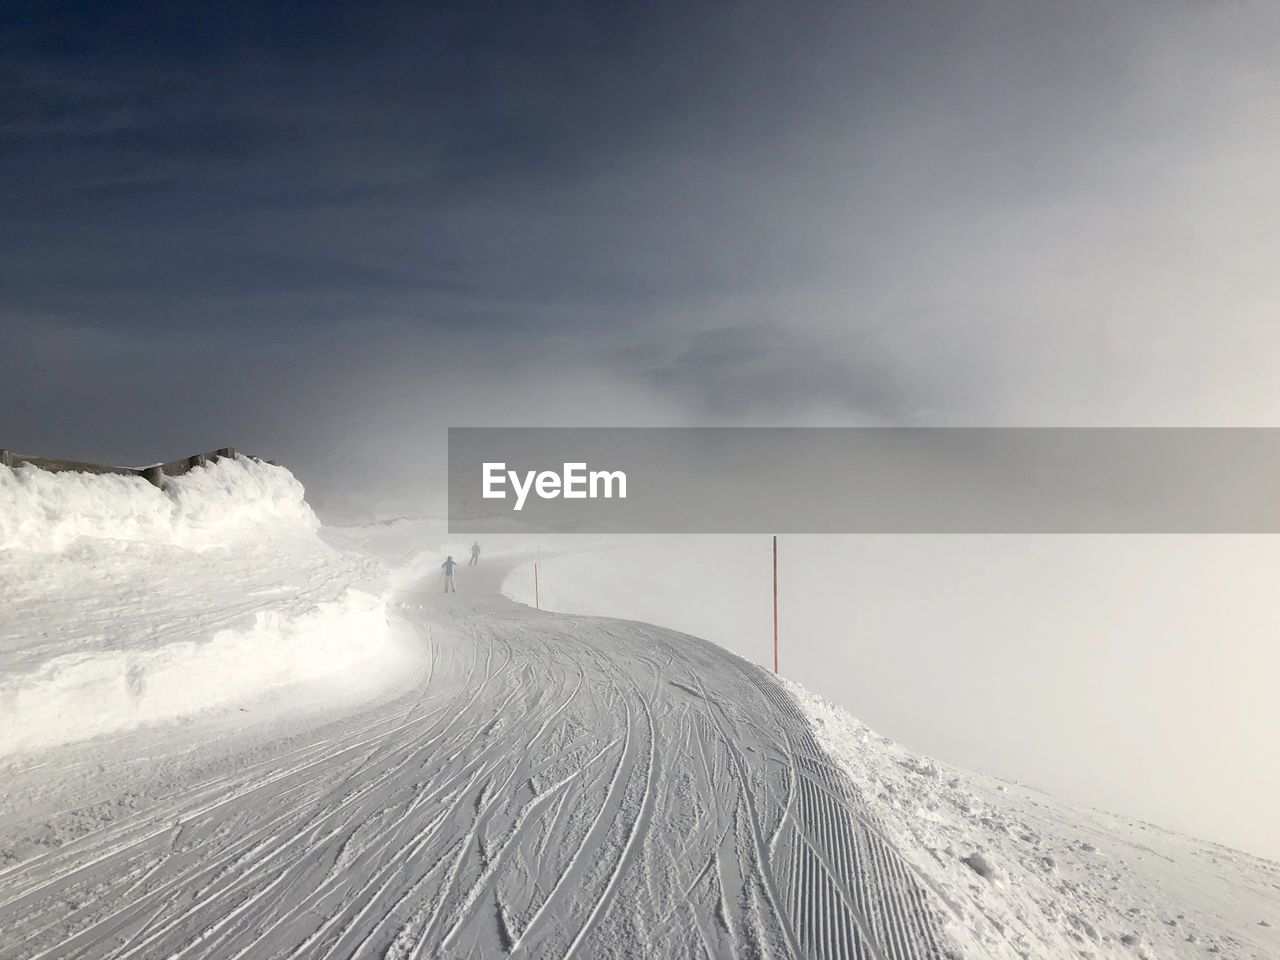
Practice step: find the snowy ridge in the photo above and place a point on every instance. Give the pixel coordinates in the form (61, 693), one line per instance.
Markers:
(212, 506)
(208, 592)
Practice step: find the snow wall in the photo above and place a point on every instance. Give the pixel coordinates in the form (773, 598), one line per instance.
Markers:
(210, 506)
(123, 604)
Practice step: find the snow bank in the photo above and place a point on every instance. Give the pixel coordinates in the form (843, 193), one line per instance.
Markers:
(122, 604)
(1024, 874)
(79, 696)
(209, 506)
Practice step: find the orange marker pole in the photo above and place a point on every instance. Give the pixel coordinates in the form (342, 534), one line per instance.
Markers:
(775, 604)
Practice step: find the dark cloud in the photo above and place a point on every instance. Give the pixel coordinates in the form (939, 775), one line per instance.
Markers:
(877, 212)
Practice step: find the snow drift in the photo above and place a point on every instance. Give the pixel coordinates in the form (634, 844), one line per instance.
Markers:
(121, 603)
(211, 506)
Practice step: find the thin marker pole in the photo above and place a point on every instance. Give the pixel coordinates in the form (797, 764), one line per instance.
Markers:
(537, 605)
(775, 603)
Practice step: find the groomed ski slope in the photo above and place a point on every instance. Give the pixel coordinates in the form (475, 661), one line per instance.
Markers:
(551, 786)
(1021, 873)
(524, 784)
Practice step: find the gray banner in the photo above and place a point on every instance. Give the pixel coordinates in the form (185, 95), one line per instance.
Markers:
(864, 480)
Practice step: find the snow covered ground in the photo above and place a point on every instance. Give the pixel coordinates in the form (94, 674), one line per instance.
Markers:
(477, 778)
(1025, 874)
(122, 604)
(1021, 873)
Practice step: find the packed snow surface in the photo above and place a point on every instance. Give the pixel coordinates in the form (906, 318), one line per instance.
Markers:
(539, 786)
(1020, 873)
(527, 783)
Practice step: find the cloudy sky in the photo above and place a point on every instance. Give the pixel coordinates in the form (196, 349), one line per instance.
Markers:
(339, 228)
(324, 232)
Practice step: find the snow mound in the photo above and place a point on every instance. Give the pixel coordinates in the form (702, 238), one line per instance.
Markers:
(210, 506)
(122, 604)
(1024, 874)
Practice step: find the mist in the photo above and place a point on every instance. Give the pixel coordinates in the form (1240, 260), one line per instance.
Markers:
(1130, 673)
(903, 214)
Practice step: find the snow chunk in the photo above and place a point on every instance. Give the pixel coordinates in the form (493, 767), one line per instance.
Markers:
(979, 865)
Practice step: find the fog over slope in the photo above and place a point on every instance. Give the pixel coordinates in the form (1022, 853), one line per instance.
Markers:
(1089, 666)
(324, 235)
(454, 773)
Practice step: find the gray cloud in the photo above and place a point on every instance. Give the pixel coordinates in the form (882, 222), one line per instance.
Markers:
(881, 213)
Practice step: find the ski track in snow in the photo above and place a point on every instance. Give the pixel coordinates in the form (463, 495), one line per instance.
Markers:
(555, 786)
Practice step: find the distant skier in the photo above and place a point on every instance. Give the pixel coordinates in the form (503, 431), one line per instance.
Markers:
(448, 567)
(475, 554)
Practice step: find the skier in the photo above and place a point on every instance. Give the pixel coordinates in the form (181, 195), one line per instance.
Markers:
(475, 554)
(447, 567)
